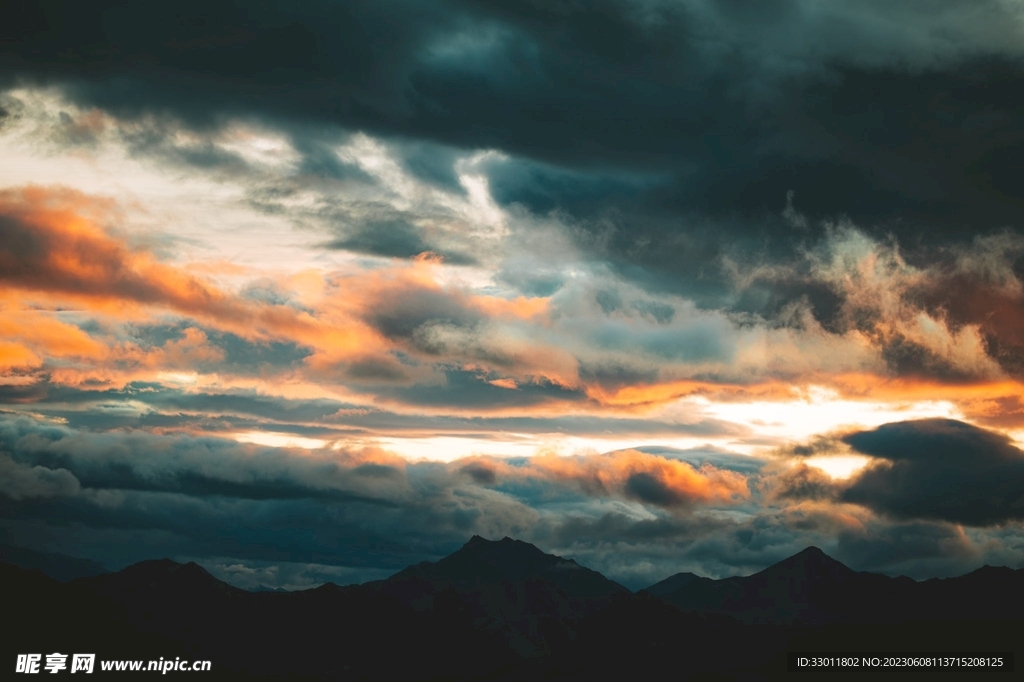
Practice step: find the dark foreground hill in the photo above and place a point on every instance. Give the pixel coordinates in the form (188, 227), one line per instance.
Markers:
(498, 611)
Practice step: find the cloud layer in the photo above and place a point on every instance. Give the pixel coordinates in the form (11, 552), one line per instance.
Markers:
(315, 289)
(293, 517)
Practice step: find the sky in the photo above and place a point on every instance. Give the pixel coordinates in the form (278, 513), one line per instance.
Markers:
(309, 291)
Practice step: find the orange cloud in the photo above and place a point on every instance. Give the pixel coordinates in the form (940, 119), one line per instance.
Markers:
(191, 349)
(53, 250)
(648, 478)
(50, 336)
(408, 307)
(910, 388)
(521, 308)
(126, 362)
(16, 356)
(51, 243)
(642, 396)
(631, 474)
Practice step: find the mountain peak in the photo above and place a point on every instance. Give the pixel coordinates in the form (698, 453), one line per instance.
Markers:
(504, 550)
(159, 575)
(481, 561)
(812, 554)
(676, 582)
(168, 566)
(480, 541)
(809, 564)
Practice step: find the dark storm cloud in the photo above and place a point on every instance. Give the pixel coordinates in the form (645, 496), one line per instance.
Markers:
(430, 162)
(543, 188)
(939, 469)
(872, 109)
(679, 143)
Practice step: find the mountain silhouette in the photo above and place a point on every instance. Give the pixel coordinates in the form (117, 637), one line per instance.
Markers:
(482, 563)
(505, 610)
(674, 583)
(812, 588)
(808, 564)
(508, 588)
(58, 566)
(266, 588)
(160, 576)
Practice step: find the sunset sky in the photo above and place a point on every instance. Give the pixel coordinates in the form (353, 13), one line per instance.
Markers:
(309, 291)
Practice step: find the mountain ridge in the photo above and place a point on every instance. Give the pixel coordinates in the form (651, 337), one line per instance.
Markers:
(62, 567)
(505, 610)
(505, 587)
(813, 588)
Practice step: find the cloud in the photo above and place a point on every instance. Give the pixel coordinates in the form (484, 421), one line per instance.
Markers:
(221, 498)
(939, 469)
(488, 225)
(790, 93)
(915, 548)
(20, 481)
(803, 482)
(51, 245)
(928, 470)
(951, 316)
(258, 575)
(363, 513)
(629, 474)
(410, 334)
(847, 303)
(198, 467)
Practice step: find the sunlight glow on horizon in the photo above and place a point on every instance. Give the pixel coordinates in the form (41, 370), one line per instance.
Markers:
(451, 448)
(822, 412)
(280, 440)
(839, 467)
